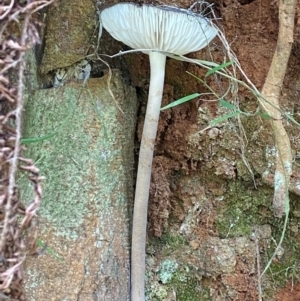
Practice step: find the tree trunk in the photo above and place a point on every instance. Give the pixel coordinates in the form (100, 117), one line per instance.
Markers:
(87, 160)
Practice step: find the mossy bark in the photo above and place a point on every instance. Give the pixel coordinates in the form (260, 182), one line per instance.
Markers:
(87, 161)
(71, 26)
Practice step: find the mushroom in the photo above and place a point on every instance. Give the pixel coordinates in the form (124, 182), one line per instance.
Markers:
(159, 30)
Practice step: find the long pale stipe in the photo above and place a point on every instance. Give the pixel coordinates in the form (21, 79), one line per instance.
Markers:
(157, 67)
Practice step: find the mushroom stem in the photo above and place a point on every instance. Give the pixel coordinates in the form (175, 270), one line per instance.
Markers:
(157, 69)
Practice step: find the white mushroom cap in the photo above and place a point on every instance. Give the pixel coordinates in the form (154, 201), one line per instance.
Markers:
(158, 28)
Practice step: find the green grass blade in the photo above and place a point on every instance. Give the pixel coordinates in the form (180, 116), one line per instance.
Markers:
(288, 116)
(48, 250)
(217, 68)
(228, 105)
(180, 101)
(263, 115)
(39, 139)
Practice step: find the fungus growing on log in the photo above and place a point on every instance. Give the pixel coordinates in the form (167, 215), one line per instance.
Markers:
(160, 30)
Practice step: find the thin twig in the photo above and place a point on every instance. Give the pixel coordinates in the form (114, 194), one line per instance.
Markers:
(7, 9)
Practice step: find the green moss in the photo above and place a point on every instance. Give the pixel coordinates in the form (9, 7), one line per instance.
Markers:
(245, 209)
(168, 243)
(241, 210)
(188, 287)
(180, 281)
(173, 241)
(171, 277)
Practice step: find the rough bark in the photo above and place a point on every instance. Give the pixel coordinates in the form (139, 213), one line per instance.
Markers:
(69, 33)
(88, 165)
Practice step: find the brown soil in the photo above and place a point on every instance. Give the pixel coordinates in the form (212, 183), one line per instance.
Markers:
(289, 293)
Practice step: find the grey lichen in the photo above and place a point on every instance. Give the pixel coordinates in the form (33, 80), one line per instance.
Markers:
(167, 269)
(156, 292)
